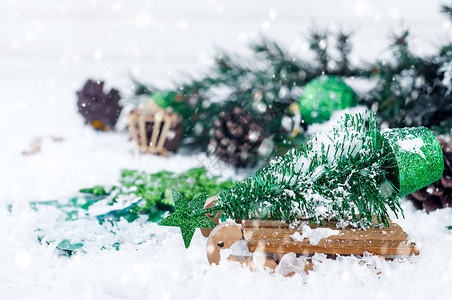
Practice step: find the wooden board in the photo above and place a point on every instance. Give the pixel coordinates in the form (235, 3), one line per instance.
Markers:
(275, 237)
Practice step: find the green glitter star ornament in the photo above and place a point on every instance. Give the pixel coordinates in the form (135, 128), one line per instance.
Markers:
(188, 216)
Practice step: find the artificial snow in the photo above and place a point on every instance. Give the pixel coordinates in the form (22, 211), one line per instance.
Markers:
(313, 235)
(239, 248)
(412, 145)
(335, 118)
(49, 48)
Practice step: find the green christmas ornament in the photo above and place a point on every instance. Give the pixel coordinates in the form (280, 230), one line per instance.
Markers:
(171, 100)
(188, 216)
(324, 95)
(165, 99)
(349, 174)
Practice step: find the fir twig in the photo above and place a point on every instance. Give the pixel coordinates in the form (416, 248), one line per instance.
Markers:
(264, 85)
(319, 44)
(412, 90)
(447, 9)
(344, 47)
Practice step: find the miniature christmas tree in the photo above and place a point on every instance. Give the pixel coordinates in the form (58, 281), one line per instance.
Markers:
(349, 174)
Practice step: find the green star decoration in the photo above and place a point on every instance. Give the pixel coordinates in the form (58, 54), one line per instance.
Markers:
(189, 215)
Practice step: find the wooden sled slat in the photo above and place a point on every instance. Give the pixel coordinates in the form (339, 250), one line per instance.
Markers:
(275, 237)
(281, 235)
(396, 235)
(332, 247)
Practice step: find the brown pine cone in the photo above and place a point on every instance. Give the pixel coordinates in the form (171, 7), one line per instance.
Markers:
(235, 137)
(438, 194)
(97, 108)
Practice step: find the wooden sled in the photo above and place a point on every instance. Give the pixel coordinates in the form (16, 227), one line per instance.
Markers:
(268, 241)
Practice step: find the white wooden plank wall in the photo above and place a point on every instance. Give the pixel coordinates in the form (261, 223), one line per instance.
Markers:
(51, 47)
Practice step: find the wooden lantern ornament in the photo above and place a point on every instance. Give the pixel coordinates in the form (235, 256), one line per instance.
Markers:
(155, 130)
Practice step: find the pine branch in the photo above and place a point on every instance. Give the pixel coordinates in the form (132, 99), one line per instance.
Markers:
(264, 85)
(319, 44)
(344, 47)
(412, 90)
(141, 88)
(447, 10)
(401, 50)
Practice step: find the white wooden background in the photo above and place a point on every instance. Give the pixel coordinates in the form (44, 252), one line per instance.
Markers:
(48, 48)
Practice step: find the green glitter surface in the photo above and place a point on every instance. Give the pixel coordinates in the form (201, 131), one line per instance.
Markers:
(324, 95)
(169, 99)
(164, 99)
(418, 156)
(188, 216)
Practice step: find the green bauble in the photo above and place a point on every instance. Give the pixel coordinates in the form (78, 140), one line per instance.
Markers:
(165, 99)
(324, 95)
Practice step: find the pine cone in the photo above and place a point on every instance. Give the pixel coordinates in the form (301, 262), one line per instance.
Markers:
(438, 194)
(235, 137)
(97, 108)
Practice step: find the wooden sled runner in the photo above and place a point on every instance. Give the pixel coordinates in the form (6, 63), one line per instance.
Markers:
(268, 241)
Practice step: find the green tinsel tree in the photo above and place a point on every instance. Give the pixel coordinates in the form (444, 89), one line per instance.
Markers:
(332, 175)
